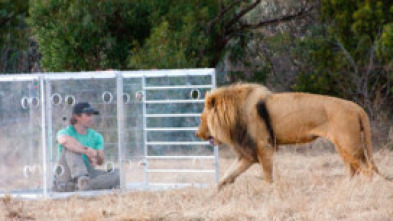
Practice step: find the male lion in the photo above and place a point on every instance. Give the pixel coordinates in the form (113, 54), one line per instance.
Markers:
(254, 121)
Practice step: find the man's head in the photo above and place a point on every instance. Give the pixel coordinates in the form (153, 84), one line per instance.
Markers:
(82, 114)
(83, 107)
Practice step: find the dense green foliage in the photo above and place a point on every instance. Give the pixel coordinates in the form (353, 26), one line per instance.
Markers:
(14, 35)
(12, 22)
(88, 35)
(177, 36)
(347, 52)
(350, 53)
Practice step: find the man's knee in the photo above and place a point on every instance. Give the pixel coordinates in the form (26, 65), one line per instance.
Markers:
(75, 163)
(71, 155)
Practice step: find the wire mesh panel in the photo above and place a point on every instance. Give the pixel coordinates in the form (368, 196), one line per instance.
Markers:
(21, 135)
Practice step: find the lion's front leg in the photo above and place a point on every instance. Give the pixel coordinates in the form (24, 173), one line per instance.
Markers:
(238, 167)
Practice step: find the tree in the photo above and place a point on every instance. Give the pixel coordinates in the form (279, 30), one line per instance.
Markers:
(14, 34)
(353, 53)
(231, 22)
(88, 35)
(160, 51)
(204, 30)
(177, 36)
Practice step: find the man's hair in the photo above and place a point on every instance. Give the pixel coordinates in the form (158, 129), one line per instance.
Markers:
(73, 119)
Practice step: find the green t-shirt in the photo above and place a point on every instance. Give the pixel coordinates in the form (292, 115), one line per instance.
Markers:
(91, 139)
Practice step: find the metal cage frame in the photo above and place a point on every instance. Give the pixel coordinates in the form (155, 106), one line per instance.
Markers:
(45, 80)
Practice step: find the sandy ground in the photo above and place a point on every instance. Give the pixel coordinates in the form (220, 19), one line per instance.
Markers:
(308, 186)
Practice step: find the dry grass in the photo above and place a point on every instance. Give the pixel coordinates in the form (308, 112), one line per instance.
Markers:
(308, 186)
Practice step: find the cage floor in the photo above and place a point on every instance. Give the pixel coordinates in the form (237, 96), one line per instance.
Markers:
(130, 187)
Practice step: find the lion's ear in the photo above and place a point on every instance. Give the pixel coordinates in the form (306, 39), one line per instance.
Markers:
(210, 102)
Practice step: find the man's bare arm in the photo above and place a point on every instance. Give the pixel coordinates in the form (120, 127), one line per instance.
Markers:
(100, 157)
(74, 145)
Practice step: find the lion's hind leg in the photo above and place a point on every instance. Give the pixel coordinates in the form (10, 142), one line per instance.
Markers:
(355, 160)
(240, 165)
(265, 158)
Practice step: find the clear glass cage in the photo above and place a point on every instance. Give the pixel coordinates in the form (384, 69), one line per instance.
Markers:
(148, 120)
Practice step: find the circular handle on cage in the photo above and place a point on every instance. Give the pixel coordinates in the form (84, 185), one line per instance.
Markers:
(24, 102)
(58, 170)
(70, 100)
(56, 99)
(34, 102)
(126, 98)
(195, 94)
(110, 167)
(107, 97)
(27, 171)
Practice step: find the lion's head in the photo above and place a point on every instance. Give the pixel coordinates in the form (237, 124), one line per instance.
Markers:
(218, 119)
(223, 118)
(204, 131)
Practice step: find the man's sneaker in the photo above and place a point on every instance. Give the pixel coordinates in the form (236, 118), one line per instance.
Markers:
(63, 186)
(83, 183)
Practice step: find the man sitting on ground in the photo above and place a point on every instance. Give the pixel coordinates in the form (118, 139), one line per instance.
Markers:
(81, 150)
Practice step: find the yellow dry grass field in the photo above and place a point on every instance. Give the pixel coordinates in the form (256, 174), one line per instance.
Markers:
(309, 185)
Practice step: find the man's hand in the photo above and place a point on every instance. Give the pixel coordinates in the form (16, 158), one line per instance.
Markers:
(95, 157)
(100, 157)
(92, 156)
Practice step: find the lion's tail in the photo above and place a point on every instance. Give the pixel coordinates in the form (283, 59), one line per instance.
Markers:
(264, 114)
(365, 125)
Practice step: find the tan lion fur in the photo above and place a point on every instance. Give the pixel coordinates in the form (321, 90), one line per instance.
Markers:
(231, 116)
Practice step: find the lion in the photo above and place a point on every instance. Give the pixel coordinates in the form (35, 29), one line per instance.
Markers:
(254, 122)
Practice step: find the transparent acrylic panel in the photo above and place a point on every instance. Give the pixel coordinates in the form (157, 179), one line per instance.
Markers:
(134, 152)
(102, 95)
(21, 163)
